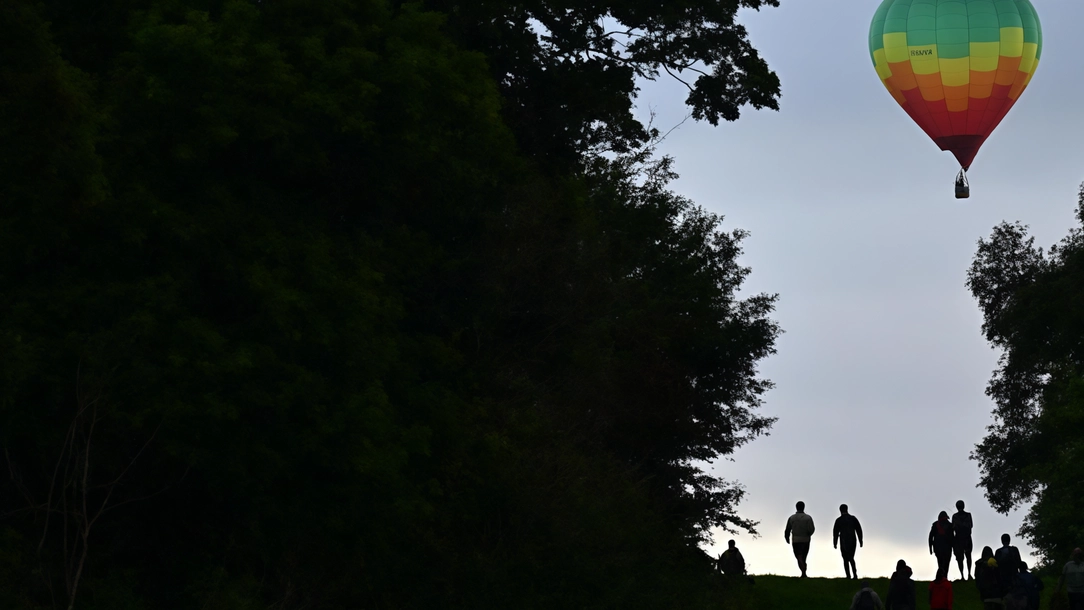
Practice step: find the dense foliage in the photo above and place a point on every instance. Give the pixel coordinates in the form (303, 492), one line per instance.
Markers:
(298, 312)
(1033, 305)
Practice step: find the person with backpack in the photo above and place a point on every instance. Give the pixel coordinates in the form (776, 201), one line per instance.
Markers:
(731, 561)
(1008, 564)
(866, 599)
(901, 589)
(962, 524)
(941, 593)
(847, 536)
(987, 580)
(941, 538)
(1017, 598)
(1032, 586)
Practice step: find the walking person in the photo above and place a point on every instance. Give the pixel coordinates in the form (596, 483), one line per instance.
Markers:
(941, 593)
(962, 524)
(901, 589)
(1072, 576)
(1008, 564)
(800, 527)
(986, 579)
(847, 536)
(941, 538)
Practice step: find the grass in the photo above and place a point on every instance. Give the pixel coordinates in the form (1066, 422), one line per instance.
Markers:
(785, 592)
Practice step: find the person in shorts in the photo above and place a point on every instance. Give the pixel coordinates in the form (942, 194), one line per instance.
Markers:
(800, 528)
(962, 545)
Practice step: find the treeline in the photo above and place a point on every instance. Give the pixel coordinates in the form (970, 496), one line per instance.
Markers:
(1033, 307)
(364, 304)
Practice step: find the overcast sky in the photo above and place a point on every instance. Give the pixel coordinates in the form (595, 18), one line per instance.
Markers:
(881, 372)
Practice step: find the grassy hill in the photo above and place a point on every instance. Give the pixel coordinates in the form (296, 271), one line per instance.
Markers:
(784, 593)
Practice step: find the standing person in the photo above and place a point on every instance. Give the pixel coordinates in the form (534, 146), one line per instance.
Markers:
(846, 532)
(901, 589)
(800, 525)
(941, 539)
(1033, 586)
(731, 562)
(866, 599)
(1008, 564)
(961, 541)
(1072, 575)
(941, 593)
(986, 579)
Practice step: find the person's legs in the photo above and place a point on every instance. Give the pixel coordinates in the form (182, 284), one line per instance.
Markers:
(801, 551)
(848, 560)
(1076, 601)
(968, 547)
(943, 559)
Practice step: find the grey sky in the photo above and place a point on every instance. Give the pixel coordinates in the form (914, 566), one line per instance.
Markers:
(881, 371)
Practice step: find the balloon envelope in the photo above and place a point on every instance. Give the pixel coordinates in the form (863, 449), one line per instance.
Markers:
(956, 66)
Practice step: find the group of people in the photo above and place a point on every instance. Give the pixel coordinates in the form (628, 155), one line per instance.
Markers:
(1002, 577)
(947, 537)
(846, 536)
(1003, 580)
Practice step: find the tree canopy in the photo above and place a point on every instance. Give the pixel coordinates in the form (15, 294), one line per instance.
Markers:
(299, 312)
(1031, 302)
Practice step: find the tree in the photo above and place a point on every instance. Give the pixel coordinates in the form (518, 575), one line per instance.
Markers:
(1031, 303)
(567, 71)
(387, 358)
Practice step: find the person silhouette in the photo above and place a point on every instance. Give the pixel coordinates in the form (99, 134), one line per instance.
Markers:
(1072, 575)
(1008, 564)
(940, 592)
(846, 532)
(866, 599)
(941, 542)
(901, 589)
(731, 561)
(1032, 586)
(962, 544)
(801, 526)
(988, 581)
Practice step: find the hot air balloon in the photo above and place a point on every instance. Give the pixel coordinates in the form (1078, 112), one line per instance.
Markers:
(956, 66)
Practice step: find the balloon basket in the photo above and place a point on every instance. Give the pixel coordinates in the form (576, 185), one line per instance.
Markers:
(963, 189)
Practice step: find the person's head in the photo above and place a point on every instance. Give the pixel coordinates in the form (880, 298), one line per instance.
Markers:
(1023, 567)
(800, 506)
(987, 553)
(959, 504)
(942, 516)
(865, 583)
(901, 565)
(731, 544)
(843, 509)
(940, 574)
(1077, 554)
(1005, 539)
